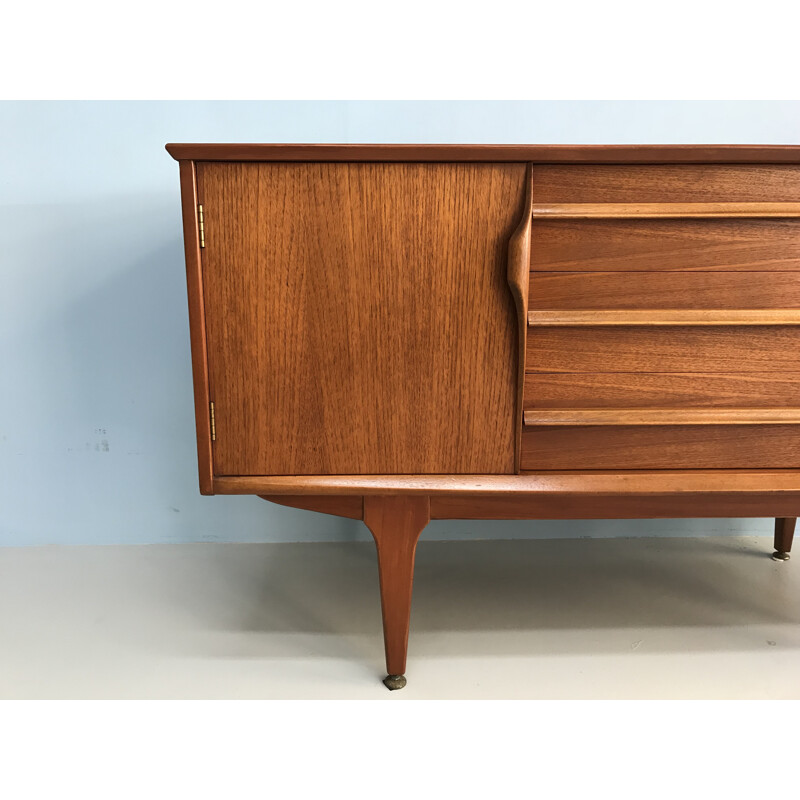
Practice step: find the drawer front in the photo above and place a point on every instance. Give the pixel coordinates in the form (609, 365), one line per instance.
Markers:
(661, 447)
(735, 349)
(621, 290)
(661, 389)
(638, 245)
(666, 183)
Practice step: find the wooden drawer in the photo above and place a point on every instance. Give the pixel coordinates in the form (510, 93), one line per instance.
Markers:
(629, 290)
(735, 349)
(665, 244)
(656, 390)
(666, 183)
(661, 447)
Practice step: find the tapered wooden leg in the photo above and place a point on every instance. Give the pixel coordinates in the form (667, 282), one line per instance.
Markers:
(396, 523)
(784, 533)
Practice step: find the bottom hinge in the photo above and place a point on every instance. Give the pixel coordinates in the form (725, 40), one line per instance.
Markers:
(213, 424)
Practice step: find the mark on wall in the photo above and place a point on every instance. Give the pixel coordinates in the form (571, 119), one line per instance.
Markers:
(102, 445)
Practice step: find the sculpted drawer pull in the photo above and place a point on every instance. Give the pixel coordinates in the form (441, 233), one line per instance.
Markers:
(663, 416)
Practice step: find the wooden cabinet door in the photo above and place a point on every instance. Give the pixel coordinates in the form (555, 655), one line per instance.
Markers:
(358, 317)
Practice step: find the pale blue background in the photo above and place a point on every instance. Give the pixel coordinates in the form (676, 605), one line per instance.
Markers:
(96, 416)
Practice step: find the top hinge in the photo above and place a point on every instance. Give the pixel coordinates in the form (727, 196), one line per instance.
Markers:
(200, 225)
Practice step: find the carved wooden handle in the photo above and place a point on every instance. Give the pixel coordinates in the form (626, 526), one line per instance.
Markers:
(519, 267)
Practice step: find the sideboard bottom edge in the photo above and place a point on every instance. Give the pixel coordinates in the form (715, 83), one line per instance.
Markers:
(565, 495)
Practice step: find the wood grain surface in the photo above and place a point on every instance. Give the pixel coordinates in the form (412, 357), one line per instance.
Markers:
(673, 317)
(666, 210)
(671, 349)
(662, 416)
(197, 329)
(359, 318)
(666, 183)
(664, 290)
(569, 505)
(667, 447)
(558, 153)
(350, 506)
(769, 484)
(519, 259)
(618, 505)
(655, 389)
(396, 523)
(665, 244)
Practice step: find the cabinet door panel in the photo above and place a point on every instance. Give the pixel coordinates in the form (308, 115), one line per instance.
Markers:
(358, 316)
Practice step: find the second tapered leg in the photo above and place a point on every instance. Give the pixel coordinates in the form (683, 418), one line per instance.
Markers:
(784, 533)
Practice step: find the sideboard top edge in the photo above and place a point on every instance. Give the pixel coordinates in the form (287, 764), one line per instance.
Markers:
(541, 154)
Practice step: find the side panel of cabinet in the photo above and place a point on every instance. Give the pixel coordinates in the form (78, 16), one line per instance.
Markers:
(358, 317)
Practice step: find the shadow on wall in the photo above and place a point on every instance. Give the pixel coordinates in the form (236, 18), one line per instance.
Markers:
(96, 353)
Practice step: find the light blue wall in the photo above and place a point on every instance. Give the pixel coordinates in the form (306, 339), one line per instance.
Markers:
(96, 429)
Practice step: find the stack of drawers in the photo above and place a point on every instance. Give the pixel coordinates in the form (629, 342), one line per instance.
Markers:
(664, 318)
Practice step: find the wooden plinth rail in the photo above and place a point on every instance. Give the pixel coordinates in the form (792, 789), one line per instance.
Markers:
(663, 416)
(665, 210)
(592, 482)
(771, 316)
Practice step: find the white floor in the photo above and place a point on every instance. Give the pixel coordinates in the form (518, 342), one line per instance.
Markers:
(605, 618)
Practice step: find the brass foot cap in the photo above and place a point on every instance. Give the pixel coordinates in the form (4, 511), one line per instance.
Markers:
(393, 682)
(780, 556)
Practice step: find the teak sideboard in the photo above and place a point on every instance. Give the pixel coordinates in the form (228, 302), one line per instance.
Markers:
(400, 333)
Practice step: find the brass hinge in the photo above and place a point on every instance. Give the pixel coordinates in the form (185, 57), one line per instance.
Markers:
(213, 425)
(200, 226)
